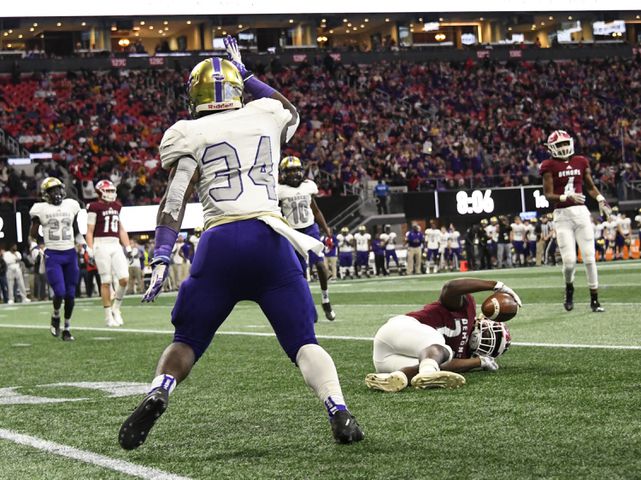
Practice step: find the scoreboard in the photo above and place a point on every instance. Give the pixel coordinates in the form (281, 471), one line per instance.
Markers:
(470, 206)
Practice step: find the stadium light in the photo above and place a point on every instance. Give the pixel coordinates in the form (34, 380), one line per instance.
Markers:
(349, 24)
(84, 24)
(387, 20)
(142, 22)
(165, 22)
(291, 20)
(188, 22)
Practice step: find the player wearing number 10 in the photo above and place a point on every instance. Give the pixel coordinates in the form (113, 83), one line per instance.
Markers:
(58, 217)
(105, 234)
(229, 153)
(563, 178)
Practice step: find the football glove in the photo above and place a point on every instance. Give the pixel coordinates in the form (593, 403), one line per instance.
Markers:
(488, 364)
(233, 55)
(577, 198)
(160, 271)
(501, 287)
(91, 259)
(604, 209)
(129, 252)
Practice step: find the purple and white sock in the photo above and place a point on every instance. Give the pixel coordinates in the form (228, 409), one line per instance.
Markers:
(334, 404)
(164, 381)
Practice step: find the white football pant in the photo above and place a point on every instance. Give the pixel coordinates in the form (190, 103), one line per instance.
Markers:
(573, 226)
(399, 341)
(110, 258)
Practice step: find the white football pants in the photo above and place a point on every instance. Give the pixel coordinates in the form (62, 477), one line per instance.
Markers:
(573, 226)
(399, 341)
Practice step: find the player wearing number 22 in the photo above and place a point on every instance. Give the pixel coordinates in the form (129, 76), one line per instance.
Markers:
(563, 178)
(296, 197)
(105, 234)
(230, 154)
(58, 217)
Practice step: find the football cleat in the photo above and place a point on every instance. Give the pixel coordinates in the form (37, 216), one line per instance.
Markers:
(438, 379)
(135, 429)
(345, 428)
(596, 306)
(386, 382)
(55, 326)
(569, 298)
(329, 312)
(110, 321)
(117, 316)
(66, 336)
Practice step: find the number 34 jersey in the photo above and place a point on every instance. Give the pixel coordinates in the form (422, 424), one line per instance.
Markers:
(296, 203)
(57, 222)
(567, 177)
(237, 152)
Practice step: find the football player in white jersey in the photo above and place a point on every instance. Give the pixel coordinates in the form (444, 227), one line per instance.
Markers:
(58, 217)
(443, 248)
(388, 237)
(363, 241)
(624, 234)
(517, 237)
(599, 241)
(610, 227)
(296, 197)
(432, 241)
(531, 238)
(229, 153)
(345, 253)
(454, 246)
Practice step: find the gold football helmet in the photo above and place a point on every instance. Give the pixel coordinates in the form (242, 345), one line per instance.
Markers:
(214, 85)
(52, 190)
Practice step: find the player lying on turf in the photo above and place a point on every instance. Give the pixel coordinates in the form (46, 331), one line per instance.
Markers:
(230, 153)
(426, 348)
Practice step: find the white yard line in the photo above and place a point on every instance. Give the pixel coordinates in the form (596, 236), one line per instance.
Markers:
(323, 337)
(88, 457)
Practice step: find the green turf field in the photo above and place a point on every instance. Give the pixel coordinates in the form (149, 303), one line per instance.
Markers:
(549, 412)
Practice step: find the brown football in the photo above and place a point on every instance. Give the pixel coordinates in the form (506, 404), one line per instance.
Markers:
(500, 307)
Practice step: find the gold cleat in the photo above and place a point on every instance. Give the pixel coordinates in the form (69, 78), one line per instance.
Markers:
(438, 379)
(386, 382)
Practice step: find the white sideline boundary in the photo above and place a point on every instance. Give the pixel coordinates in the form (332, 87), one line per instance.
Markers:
(91, 458)
(322, 337)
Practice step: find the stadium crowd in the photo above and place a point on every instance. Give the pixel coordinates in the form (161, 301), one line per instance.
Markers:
(424, 126)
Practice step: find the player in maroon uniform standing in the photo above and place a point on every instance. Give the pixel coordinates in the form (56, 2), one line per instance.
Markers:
(425, 348)
(106, 238)
(563, 178)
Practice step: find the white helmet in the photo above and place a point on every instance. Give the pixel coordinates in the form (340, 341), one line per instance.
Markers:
(489, 338)
(106, 190)
(560, 144)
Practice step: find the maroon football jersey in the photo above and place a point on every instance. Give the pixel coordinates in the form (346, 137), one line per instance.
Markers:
(107, 218)
(566, 176)
(456, 326)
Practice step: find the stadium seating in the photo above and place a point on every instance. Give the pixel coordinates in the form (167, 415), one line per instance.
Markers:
(425, 126)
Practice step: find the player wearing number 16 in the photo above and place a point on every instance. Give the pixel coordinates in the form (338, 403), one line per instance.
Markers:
(563, 178)
(58, 217)
(229, 153)
(106, 239)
